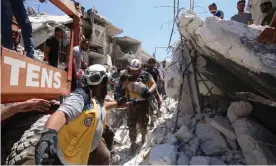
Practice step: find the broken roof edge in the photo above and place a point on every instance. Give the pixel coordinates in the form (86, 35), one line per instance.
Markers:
(127, 39)
(112, 30)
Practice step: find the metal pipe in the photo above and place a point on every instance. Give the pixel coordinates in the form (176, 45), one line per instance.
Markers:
(155, 51)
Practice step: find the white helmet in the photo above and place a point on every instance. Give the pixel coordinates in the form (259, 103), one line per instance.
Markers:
(135, 64)
(94, 74)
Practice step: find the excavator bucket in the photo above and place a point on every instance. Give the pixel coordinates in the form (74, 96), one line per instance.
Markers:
(23, 78)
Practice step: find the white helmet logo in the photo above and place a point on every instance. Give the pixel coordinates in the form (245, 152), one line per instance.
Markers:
(87, 121)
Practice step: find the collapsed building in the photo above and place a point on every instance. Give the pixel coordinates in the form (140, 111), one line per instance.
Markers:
(126, 49)
(221, 105)
(104, 48)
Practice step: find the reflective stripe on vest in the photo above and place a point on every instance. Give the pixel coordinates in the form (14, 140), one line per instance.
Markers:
(75, 138)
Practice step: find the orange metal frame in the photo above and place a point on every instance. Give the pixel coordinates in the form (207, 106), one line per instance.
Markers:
(23, 78)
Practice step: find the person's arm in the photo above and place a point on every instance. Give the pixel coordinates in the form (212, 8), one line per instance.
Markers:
(70, 109)
(268, 36)
(47, 49)
(114, 104)
(29, 105)
(110, 104)
(153, 84)
(273, 22)
(250, 19)
(219, 14)
(75, 54)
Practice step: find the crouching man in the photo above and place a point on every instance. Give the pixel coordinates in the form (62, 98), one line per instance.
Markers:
(73, 134)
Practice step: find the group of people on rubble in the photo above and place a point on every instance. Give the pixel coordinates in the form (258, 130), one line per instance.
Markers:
(269, 34)
(245, 17)
(80, 120)
(17, 8)
(77, 133)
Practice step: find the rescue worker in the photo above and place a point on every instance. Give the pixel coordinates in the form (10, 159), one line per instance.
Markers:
(139, 111)
(268, 36)
(151, 68)
(73, 134)
(268, 10)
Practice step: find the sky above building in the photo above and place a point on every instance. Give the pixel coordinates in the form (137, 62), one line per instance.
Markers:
(149, 21)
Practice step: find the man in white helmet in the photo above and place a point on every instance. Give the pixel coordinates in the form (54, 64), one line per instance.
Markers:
(73, 134)
(138, 113)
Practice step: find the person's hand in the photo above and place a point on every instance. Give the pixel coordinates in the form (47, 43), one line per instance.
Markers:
(35, 104)
(46, 148)
(146, 94)
(268, 36)
(122, 101)
(80, 73)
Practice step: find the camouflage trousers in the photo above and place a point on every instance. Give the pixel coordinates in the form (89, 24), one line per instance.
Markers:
(137, 114)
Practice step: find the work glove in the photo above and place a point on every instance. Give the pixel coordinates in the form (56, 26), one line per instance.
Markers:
(146, 94)
(122, 101)
(46, 148)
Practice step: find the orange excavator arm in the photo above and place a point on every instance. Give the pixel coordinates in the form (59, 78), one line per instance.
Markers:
(23, 78)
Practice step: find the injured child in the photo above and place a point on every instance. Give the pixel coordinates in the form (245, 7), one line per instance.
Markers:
(137, 87)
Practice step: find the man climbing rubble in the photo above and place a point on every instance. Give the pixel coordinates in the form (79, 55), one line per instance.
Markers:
(73, 134)
(268, 36)
(138, 112)
(157, 78)
(268, 10)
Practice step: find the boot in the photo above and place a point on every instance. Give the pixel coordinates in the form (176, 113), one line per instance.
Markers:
(151, 125)
(143, 138)
(133, 148)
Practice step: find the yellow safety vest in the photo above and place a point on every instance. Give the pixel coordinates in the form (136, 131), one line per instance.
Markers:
(75, 138)
(133, 95)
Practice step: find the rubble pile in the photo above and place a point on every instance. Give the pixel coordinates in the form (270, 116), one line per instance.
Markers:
(201, 139)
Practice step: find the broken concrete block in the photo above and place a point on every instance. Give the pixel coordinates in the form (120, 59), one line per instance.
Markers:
(121, 135)
(211, 147)
(183, 134)
(200, 160)
(228, 157)
(199, 116)
(212, 140)
(221, 123)
(215, 161)
(257, 143)
(113, 117)
(233, 144)
(164, 154)
(184, 120)
(156, 137)
(170, 139)
(190, 149)
(170, 124)
(183, 159)
(237, 110)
